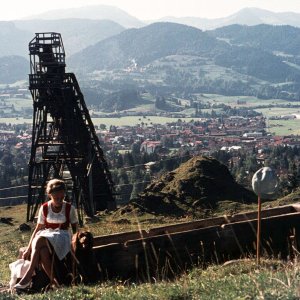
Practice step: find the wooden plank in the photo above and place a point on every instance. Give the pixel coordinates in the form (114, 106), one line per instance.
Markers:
(125, 236)
(118, 237)
(282, 210)
(167, 254)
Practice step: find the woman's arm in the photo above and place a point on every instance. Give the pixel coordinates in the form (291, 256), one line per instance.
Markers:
(73, 219)
(74, 227)
(27, 252)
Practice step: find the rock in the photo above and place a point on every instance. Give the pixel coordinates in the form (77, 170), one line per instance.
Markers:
(24, 227)
(6, 220)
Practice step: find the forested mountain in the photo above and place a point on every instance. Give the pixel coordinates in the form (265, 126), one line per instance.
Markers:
(186, 59)
(145, 45)
(257, 63)
(261, 60)
(248, 50)
(13, 68)
(13, 40)
(285, 39)
(93, 12)
(254, 16)
(248, 16)
(77, 34)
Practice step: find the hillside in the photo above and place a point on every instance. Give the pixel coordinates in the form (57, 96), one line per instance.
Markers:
(77, 34)
(145, 45)
(196, 188)
(13, 68)
(121, 100)
(257, 63)
(13, 41)
(285, 39)
(169, 57)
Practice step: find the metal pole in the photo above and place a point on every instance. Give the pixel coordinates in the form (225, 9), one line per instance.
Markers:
(258, 231)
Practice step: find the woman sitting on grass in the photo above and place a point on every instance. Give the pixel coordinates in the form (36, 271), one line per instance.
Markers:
(54, 218)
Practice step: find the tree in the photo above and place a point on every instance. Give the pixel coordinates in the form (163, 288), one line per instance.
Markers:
(135, 148)
(102, 126)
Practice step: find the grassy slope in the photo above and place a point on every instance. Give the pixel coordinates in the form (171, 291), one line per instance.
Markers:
(238, 280)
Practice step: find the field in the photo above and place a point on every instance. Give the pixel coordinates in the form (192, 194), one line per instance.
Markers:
(277, 127)
(122, 121)
(284, 127)
(246, 101)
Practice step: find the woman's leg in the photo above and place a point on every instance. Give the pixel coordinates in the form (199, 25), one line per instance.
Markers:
(40, 244)
(47, 262)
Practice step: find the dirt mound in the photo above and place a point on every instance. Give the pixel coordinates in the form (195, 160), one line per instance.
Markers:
(195, 188)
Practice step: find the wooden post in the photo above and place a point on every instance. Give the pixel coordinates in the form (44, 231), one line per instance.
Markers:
(258, 231)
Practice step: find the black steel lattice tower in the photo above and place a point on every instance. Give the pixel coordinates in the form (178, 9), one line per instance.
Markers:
(64, 141)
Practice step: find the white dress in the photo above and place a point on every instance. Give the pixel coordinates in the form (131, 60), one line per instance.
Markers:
(60, 239)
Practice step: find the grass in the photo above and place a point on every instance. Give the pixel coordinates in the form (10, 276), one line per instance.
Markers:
(284, 127)
(123, 121)
(250, 101)
(239, 279)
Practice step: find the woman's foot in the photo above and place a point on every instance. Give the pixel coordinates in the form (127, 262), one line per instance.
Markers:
(19, 286)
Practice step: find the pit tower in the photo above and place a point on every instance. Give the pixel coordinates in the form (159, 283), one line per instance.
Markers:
(64, 141)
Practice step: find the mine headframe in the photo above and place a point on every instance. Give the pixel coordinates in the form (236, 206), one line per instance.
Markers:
(64, 141)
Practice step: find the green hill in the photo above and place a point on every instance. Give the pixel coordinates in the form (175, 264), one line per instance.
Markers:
(146, 45)
(197, 188)
(169, 57)
(285, 39)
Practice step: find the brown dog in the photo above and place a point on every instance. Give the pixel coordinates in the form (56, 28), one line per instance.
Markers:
(82, 241)
(86, 270)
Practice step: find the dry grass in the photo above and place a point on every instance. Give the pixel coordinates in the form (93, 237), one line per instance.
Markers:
(241, 279)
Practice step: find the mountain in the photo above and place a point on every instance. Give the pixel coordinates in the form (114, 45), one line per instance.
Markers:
(169, 57)
(165, 58)
(13, 41)
(160, 40)
(93, 12)
(275, 45)
(13, 68)
(246, 16)
(77, 34)
(145, 45)
(201, 23)
(285, 39)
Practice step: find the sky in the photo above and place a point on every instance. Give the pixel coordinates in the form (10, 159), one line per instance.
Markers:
(149, 9)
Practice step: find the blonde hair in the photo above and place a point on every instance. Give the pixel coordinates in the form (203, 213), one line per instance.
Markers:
(55, 185)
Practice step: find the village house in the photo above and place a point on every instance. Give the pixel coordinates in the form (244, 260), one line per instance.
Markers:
(150, 146)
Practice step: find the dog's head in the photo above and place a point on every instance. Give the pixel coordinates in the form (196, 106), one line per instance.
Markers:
(82, 241)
